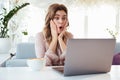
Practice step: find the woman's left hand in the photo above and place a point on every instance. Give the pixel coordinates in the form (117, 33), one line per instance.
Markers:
(62, 58)
(60, 39)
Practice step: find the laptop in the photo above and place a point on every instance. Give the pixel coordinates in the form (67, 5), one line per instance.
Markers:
(88, 56)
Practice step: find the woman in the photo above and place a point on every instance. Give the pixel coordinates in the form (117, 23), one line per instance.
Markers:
(51, 42)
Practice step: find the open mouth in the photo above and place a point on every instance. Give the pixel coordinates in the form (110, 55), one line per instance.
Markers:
(60, 27)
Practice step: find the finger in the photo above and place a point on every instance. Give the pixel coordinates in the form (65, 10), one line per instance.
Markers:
(66, 23)
(62, 33)
(65, 29)
(53, 25)
(48, 61)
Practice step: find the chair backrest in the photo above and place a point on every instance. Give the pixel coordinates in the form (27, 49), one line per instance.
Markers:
(117, 47)
(25, 50)
(116, 58)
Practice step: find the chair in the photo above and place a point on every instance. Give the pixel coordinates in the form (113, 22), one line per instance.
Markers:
(27, 50)
(24, 51)
(116, 57)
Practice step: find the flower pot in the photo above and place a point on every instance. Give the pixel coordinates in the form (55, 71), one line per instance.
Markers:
(5, 45)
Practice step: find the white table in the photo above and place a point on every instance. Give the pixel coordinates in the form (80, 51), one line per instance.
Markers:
(3, 58)
(25, 73)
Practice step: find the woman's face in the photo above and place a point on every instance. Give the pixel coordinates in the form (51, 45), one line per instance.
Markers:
(60, 20)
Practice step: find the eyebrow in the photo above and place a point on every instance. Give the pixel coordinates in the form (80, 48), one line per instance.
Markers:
(59, 15)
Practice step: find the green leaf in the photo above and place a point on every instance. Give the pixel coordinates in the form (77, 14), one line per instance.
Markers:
(7, 17)
(25, 33)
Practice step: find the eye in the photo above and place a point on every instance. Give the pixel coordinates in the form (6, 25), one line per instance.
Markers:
(63, 18)
(56, 18)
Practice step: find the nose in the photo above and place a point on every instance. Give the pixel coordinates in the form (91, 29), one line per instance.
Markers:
(61, 21)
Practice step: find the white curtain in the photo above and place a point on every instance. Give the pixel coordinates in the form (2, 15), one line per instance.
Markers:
(84, 16)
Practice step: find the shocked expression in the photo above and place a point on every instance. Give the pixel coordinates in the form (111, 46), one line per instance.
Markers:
(60, 20)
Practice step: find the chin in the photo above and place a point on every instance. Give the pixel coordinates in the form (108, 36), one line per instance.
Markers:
(59, 32)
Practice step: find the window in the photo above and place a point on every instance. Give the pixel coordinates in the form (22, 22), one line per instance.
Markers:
(93, 22)
(77, 21)
(85, 22)
(99, 19)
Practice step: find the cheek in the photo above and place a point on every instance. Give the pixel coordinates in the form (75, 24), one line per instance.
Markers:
(56, 23)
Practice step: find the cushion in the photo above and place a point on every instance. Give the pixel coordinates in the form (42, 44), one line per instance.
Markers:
(117, 47)
(16, 63)
(25, 50)
(116, 59)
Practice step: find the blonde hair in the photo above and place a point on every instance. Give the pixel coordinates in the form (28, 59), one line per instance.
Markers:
(50, 15)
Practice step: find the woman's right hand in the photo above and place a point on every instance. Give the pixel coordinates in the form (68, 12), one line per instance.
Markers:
(53, 28)
(53, 43)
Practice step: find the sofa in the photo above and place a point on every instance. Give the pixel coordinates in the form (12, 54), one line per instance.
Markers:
(26, 51)
(116, 57)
